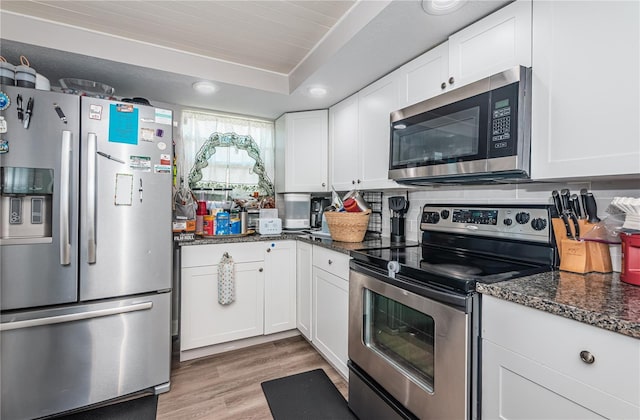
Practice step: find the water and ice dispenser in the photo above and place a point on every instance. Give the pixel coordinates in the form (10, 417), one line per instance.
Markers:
(26, 203)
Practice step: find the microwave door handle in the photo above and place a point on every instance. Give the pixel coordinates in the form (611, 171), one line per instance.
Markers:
(65, 179)
(92, 141)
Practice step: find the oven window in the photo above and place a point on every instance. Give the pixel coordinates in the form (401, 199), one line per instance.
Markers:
(402, 335)
(441, 139)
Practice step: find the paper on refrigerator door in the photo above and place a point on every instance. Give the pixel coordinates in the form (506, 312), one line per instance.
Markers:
(124, 190)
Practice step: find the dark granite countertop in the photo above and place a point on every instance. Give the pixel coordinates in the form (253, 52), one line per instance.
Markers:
(347, 247)
(227, 239)
(325, 242)
(601, 300)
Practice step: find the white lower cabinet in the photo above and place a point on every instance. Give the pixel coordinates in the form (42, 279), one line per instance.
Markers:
(331, 306)
(205, 322)
(304, 301)
(543, 366)
(279, 286)
(265, 292)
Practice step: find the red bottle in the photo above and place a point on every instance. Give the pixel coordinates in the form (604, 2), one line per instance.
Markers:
(200, 213)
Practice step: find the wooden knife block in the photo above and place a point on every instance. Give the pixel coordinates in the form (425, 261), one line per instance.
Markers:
(581, 256)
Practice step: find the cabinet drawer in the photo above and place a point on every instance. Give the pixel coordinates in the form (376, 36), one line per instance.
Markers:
(333, 262)
(201, 255)
(557, 342)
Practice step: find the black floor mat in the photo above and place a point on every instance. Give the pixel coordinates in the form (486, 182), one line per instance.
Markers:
(143, 408)
(309, 395)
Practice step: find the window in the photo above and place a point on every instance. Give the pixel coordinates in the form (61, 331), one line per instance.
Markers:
(228, 163)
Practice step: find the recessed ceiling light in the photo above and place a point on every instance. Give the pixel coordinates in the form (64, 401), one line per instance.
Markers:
(206, 88)
(442, 7)
(317, 91)
(400, 126)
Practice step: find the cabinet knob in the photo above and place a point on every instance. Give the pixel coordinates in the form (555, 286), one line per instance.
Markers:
(330, 262)
(451, 80)
(353, 181)
(324, 184)
(359, 181)
(587, 357)
(261, 269)
(443, 85)
(268, 249)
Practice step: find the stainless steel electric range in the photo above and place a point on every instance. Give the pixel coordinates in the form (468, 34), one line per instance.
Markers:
(414, 315)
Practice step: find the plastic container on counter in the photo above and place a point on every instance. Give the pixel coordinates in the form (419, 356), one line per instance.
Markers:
(223, 223)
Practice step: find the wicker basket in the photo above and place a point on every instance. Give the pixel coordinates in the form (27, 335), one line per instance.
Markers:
(347, 226)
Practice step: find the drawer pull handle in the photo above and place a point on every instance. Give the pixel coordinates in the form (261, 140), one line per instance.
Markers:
(260, 269)
(587, 357)
(330, 262)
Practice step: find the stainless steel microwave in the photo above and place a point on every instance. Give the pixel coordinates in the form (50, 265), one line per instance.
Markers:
(480, 133)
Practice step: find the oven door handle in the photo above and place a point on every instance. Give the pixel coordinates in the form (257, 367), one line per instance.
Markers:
(448, 298)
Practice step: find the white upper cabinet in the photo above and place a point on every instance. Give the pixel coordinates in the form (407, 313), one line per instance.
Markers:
(359, 137)
(302, 152)
(586, 89)
(343, 144)
(424, 77)
(498, 42)
(491, 45)
(376, 102)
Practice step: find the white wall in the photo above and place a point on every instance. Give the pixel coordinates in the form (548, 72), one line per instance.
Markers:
(528, 193)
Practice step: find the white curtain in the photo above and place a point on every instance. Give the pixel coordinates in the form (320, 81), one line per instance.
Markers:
(228, 164)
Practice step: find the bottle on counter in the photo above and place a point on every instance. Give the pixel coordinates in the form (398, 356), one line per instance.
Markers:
(200, 213)
(243, 220)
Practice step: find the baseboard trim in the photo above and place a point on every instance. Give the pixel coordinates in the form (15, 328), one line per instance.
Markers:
(234, 345)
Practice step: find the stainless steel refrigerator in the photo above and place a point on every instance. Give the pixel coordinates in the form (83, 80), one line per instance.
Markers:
(86, 251)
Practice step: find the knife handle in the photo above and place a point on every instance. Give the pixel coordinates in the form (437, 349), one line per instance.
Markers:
(591, 208)
(576, 226)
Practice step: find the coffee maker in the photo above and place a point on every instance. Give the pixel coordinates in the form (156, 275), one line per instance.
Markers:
(318, 204)
(398, 207)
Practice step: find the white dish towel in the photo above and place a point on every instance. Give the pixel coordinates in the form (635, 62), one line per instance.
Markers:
(226, 281)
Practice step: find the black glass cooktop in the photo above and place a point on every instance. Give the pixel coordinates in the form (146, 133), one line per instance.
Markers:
(449, 269)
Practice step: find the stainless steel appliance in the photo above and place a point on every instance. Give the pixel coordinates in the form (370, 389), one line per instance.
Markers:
(318, 204)
(414, 315)
(480, 132)
(85, 251)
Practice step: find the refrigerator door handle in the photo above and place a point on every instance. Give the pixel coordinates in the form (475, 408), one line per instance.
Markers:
(75, 316)
(92, 144)
(65, 177)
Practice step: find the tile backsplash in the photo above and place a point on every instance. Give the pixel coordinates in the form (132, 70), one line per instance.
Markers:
(527, 193)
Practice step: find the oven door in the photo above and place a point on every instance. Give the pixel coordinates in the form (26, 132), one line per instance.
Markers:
(415, 347)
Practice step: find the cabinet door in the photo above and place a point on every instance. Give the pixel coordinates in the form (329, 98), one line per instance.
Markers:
(376, 103)
(343, 144)
(586, 89)
(491, 45)
(302, 152)
(330, 318)
(279, 286)
(424, 77)
(205, 322)
(303, 293)
(515, 387)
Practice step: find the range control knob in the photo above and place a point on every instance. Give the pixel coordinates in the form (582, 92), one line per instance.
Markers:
(507, 221)
(444, 214)
(539, 223)
(522, 218)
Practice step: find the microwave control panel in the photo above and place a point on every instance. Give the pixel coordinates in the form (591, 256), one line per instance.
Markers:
(503, 121)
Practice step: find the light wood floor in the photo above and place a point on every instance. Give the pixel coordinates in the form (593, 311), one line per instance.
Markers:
(227, 385)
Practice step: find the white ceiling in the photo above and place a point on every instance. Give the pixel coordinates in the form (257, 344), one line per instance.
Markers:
(263, 55)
